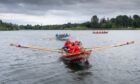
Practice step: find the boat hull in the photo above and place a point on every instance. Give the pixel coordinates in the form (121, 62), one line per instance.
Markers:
(62, 38)
(77, 58)
(100, 32)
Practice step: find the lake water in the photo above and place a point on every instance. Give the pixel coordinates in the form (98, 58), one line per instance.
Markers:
(120, 65)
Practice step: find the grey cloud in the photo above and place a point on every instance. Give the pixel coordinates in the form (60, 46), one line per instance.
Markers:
(69, 7)
(47, 2)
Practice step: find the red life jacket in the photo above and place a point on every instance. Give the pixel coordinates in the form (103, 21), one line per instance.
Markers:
(67, 43)
(76, 49)
(71, 49)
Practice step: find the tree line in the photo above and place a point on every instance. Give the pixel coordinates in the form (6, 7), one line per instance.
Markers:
(8, 26)
(119, 22)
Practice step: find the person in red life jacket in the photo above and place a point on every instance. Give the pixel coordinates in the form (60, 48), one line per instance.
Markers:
(79, 44)
(67, 44)
(76, 42)
(74, 48)
(70, 48)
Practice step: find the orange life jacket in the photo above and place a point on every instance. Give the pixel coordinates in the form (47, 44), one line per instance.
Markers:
(76, 49)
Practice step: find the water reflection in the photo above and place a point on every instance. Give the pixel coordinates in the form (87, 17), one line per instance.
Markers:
(79, 73)
(76, 67)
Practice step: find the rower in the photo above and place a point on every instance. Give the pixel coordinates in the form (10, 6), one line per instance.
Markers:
(73, 48)
(70, 48)
(76, 48)
(79, 44)
(67, 44)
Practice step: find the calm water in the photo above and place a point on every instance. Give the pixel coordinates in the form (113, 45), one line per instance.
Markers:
(119, 65)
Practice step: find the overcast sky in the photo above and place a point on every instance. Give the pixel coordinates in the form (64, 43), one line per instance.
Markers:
(63, 11)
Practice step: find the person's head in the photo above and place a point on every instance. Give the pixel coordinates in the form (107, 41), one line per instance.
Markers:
(68, 40)
(76, 42)
(70, 45)
(73, 44)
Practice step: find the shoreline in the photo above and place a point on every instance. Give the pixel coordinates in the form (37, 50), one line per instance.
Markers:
(72, 29)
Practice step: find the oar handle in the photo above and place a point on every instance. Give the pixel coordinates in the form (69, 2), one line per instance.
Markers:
(126, 43)
(18, 45)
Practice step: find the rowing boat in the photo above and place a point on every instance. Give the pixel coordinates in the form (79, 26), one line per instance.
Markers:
(62, 37)
(72, 58)
(100, 32)
(76, 58)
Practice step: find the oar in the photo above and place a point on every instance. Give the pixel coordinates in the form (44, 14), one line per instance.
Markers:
(45, 49)
(60, 50)
(111, 46)
(36, 48)
(18, 45)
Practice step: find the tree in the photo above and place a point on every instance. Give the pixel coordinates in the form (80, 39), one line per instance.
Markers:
(94, 21)
(86, 24)
(136, 21)
(0, 21)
